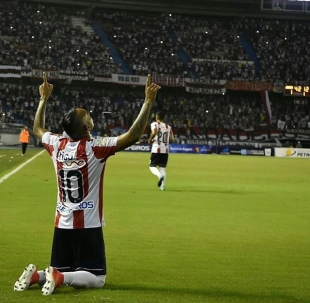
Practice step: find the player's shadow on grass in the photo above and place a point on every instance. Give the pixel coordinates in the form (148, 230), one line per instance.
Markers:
(219, 293)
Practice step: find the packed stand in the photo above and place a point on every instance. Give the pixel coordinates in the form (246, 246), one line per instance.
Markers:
(109, 109)
(214, 46)
(44, 37)
(144, 48)
(208, 37)
(194, 116)
(203, 48)
(282, 48)
(190, 115)
(290, 113)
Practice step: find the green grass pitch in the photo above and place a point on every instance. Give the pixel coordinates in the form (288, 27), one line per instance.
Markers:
(227, 229)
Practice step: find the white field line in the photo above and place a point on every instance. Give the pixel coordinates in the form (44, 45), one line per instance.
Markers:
(19, 167)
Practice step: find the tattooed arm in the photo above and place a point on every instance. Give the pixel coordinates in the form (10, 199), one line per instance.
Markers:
(136, 130)
(39, 120)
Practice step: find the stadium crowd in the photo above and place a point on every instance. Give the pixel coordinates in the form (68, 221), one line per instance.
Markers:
(190, 115)
(281, 47)
(178, 45)
(44, 37)
(38, 36)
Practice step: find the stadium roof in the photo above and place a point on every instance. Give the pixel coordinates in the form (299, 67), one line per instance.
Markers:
(248, 8)
(177, 6)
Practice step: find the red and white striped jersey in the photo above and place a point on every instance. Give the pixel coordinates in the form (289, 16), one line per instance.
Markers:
(79, 167)
(161, 140)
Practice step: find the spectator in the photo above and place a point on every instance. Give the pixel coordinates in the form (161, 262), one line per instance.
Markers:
(24, 139)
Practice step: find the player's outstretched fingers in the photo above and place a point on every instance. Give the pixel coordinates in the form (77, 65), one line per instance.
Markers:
(44, 77)
(148, 81)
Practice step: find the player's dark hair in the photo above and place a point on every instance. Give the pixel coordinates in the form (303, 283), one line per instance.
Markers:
(71, 124)
(160, 115)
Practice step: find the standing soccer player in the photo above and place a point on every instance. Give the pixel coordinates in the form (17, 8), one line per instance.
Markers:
(78, 250)
(161, 136)
(24, 139)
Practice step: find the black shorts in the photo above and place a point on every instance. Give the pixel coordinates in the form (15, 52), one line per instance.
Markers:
(158, 160)
(79, 249)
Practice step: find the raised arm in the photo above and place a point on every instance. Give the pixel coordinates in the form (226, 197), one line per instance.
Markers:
(45, 90)
(136, 130)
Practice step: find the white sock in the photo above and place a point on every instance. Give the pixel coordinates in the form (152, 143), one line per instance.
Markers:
(80, 279)
(155, 171)
(162, 170)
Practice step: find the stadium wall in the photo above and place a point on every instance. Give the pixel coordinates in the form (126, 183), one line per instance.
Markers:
(227, 150)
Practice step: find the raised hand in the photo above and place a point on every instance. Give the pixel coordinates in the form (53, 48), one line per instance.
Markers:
(150, 90)
(45, 89)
